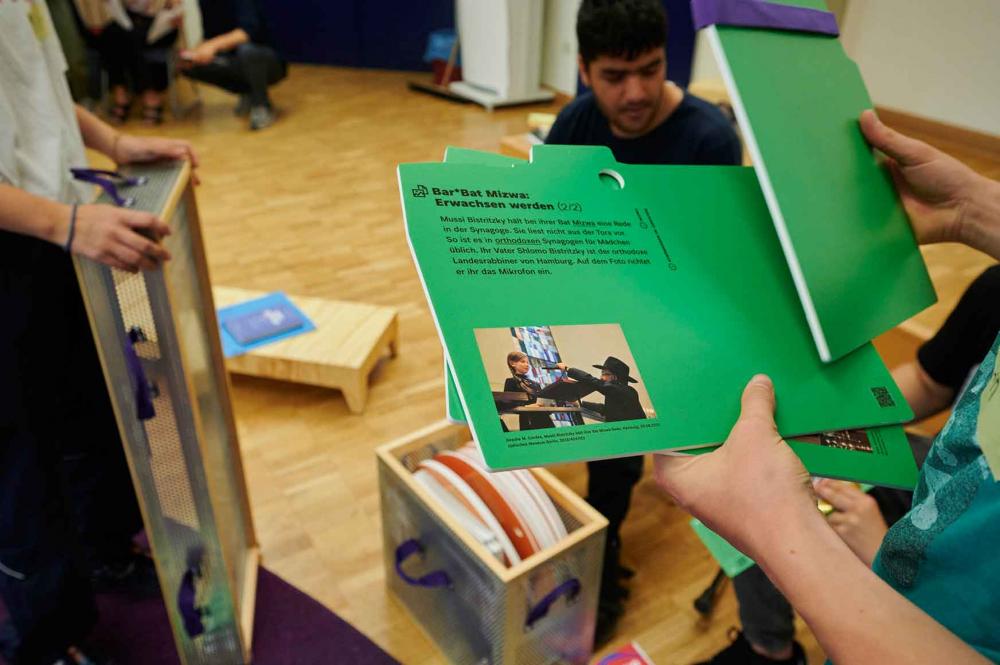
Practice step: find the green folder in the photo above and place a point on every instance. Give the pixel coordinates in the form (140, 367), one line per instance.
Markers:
(731, 560)
(846, 238)
(710, 305)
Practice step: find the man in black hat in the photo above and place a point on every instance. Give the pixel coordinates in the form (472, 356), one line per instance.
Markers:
(621, 401)
(610, 481)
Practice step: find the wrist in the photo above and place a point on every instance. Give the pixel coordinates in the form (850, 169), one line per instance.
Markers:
(978, 223)
(115, 145)
(57, 221)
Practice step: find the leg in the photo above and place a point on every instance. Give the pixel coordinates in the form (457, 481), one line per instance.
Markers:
(155, 77)
(223, 72)
(261, 67)
(46, 593)
(609, 490)
(767, 618)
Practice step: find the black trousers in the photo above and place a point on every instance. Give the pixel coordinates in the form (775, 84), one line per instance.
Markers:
(66, 498)
(609, 491)
(128, 59)
(249, 69)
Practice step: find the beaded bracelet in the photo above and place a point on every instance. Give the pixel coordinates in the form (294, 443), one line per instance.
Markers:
(72, 229)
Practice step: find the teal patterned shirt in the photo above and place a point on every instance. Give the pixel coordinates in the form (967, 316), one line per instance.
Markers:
(944, 555)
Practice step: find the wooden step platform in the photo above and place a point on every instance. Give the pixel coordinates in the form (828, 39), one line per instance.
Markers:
(341, 353)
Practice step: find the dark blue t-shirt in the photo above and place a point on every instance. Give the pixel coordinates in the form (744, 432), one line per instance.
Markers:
(221, 16)
(695, 133)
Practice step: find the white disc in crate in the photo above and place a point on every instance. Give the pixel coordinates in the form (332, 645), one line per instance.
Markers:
(482, 511)
(460, 512)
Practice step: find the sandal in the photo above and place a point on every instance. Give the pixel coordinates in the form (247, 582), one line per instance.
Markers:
(152, 114)
(118, 113)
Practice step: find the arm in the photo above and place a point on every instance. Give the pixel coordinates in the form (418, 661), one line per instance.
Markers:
(925, 396)
(125, 149)
(205, 52)
(856, 617)
(103, 233)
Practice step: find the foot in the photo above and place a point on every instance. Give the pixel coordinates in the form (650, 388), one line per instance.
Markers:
(118, 112)
(261, 117)
(242, 108)
(152, 114)
(609, 613)
(134, 575)
(741, 652)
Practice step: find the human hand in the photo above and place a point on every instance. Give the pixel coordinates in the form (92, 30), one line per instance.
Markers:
(936, 189)
(561, 366)
(114, 236)
(856, 519)
(138, 149)
(202, 54)
(752, 487)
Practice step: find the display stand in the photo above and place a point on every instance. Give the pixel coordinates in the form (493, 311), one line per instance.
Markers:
(501, 52)
(540, 611)
(158, 341)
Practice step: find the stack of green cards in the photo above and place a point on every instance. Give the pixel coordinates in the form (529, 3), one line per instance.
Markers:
(690, 287)
(692, 278)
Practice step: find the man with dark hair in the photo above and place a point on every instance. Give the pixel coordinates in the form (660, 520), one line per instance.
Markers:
(631, 107)
(644, 119)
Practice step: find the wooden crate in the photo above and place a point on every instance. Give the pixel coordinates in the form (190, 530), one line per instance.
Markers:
(480, 611)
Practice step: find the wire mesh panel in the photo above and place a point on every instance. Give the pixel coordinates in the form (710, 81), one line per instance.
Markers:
(158, 340)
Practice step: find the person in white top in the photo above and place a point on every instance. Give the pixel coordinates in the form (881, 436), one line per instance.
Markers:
(61, 462)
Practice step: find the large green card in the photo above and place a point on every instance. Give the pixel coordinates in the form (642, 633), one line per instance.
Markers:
(845, 236)
(679, 271)
(731, 560)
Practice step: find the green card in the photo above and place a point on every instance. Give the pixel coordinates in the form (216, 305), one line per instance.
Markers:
(846, 238)
(678, 272)
(877, 456)
(731, 560)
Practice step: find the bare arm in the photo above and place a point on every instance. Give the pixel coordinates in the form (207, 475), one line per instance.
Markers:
(208, 49)
(35, 216)
(925, 396)
(110, 235)
(229, 40)
(127, 149)
(856, 617)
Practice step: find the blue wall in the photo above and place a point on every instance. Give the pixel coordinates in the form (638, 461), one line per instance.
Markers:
(392, 34)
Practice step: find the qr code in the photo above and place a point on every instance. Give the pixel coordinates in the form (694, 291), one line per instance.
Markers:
(883, 397)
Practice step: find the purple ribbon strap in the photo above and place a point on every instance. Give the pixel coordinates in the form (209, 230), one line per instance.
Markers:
(109, 181)
(143, 393)
(187, 606)
(761, 14)
(408, 548)
(570, 588)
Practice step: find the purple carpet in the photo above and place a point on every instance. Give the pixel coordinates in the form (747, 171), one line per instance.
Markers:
(289, 628)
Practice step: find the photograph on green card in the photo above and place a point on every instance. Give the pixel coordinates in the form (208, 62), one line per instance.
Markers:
(589, 377)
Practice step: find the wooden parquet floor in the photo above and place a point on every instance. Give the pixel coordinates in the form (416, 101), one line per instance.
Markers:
(310, 207)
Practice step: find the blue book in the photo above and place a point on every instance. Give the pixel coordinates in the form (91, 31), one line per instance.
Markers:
(268, 321)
